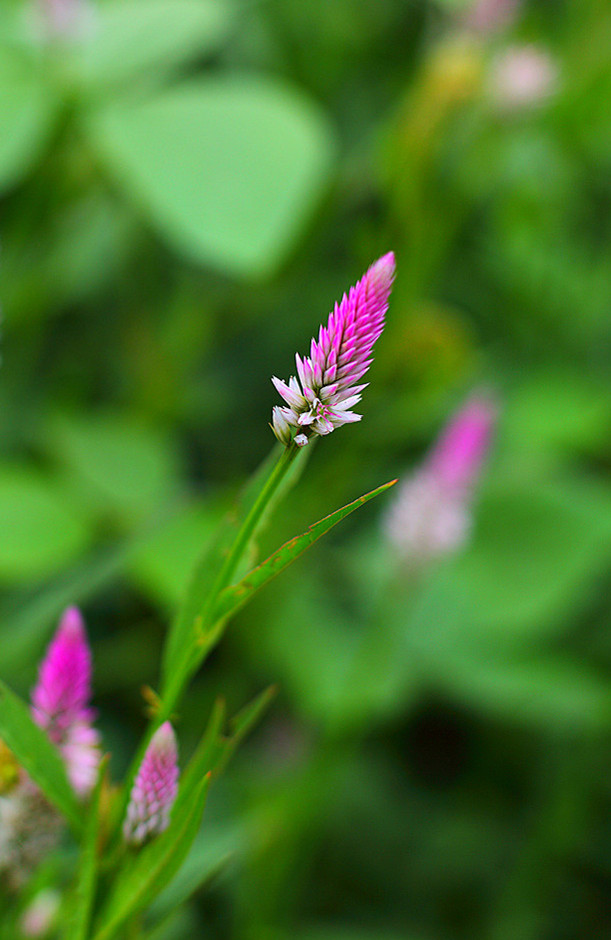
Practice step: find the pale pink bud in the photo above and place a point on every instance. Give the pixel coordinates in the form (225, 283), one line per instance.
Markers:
(321, 399)
(154, 789)
(431, 515)
(523, 77)
(38, 917)
(60, 700)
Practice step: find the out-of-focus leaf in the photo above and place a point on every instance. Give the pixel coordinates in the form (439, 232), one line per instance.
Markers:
(28, 108)
(157, 863)
(556, 412)
(129, 39)
(227, 169)
(37, 755)
(543, 691)
(122, 465)
(212, 850)
(242, 724)
(82, 250)
(41, 532)
(352, 933)
(236, 596)
(163, 564)
(536, 549)
(87, 871)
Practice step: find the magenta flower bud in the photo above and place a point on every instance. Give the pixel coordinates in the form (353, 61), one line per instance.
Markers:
(432, 513)
(321, 399)
(60, 700)
(154, 789)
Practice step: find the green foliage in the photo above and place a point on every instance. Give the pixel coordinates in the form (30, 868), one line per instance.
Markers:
(142, 878)
(134, 39)
(28, 108)
(42, 531)
(87, 874)
(121, 466)
(236, 596)
(37, 755)
(226, 169)
(187, 186)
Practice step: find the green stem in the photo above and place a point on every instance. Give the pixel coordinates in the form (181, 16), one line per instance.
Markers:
(250, 524)
(181, 677)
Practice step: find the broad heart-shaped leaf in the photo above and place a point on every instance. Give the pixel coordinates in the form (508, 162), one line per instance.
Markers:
(132, 38)
(37, 756)
(41, 533)
(79, 915)
(227, 169)
(239, 594)
(155, 865)
(28, 108)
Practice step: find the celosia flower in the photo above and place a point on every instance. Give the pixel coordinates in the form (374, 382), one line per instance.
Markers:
(432, 513)
(60, 700)
(154, 789)
(322, 398)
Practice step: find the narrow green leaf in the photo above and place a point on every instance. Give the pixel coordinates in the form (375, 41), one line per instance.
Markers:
(78, 925)
(236, 596)
(206, 754)
(155, 865)
(181, 637)
(37, 755)
(242, 724)
(213, 850)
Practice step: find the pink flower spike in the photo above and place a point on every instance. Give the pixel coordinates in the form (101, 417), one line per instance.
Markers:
(432, 514)
(60, 700)
(462, 447)
(154, 789)
(318, 401)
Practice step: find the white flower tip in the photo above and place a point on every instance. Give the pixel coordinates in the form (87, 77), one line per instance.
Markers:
(164, 738)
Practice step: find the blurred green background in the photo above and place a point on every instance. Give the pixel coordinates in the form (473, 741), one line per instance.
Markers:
(187, 186)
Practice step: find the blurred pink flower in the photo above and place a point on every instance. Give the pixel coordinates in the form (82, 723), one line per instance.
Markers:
(154, 789)
(523, 77)
(65, 19)
(60, 700)
(38, 917)
(488, 16)
(341, 356)
(432, 514)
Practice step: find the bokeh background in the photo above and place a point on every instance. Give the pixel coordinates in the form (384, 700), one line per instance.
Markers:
(186, 188)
